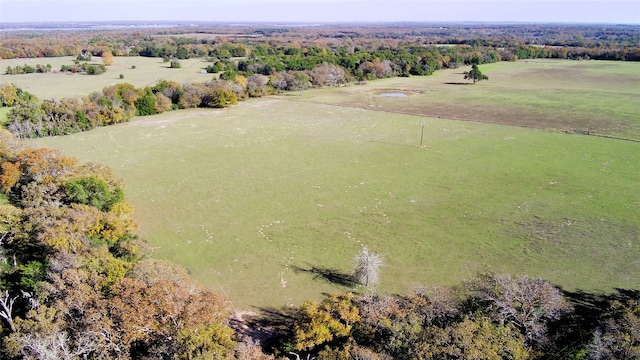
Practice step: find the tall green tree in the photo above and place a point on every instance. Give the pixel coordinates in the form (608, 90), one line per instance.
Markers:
(475, 74)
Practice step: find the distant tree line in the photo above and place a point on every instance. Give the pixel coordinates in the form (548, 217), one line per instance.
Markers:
(248, 70)
(85, 67)
(27, 69)
(30, 118)
(580, 41)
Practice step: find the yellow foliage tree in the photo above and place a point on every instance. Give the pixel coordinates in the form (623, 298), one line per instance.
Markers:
(8, 95)
(328, 321)
(107, 57)
(473, 340)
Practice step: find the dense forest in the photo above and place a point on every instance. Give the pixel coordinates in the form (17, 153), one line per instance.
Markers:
(76, 282)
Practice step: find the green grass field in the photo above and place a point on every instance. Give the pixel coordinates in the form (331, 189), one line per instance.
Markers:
(3, 114)
(268, 201)
(57, 85)
(598, 96)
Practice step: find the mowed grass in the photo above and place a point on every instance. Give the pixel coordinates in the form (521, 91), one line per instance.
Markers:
(57, 85)
(269, 201)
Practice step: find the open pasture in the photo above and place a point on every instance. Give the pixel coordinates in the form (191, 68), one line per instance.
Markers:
(600, 97)
(268, 201)
(57, 85)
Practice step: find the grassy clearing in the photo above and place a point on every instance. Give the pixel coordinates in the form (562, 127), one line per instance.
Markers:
(267, 200)
(595, 96)
(57, 85)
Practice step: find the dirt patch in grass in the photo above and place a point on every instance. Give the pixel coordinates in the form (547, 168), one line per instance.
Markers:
(538, 231)
(598, 238)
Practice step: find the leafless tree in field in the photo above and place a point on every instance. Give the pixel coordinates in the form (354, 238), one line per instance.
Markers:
(367, 267)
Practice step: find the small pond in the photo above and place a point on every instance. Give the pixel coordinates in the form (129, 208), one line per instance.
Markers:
(393, 94)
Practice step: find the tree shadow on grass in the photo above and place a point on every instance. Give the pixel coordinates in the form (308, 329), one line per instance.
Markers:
(457, 83)
(270, 327)
(589, 309)
(331, 275)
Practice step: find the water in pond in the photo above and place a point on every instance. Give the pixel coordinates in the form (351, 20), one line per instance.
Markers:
(393, 94)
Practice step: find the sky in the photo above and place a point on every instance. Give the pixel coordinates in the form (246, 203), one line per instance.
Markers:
(287, 11)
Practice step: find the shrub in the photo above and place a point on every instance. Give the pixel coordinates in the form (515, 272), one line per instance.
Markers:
(219, 98)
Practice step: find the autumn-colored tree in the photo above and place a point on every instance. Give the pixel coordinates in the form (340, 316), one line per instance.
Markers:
(328, 75)
(170, 89)
(36, 165)
(62, 228)
(162, 103)
(219, 98)
(8, 95)
(329, 322)
(251, 350)
(166, 317)
(215, 341)
(257, 85)
(375, 69)
(190, 96)
(390, 324)
(150, 271)
(10, 224)
(472, 340)
(9, 145)
(435, 304)
(9, 175)
(107, 57)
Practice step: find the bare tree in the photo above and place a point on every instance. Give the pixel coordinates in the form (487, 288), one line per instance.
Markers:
(528, 303)
(328, 75)
(55, 346)
(6, 307)
(367, 267)
(257, 85)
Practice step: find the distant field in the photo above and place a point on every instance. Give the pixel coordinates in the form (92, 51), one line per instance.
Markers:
(269, 200)
(209, 36)
(596, 96)
(56, 85)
